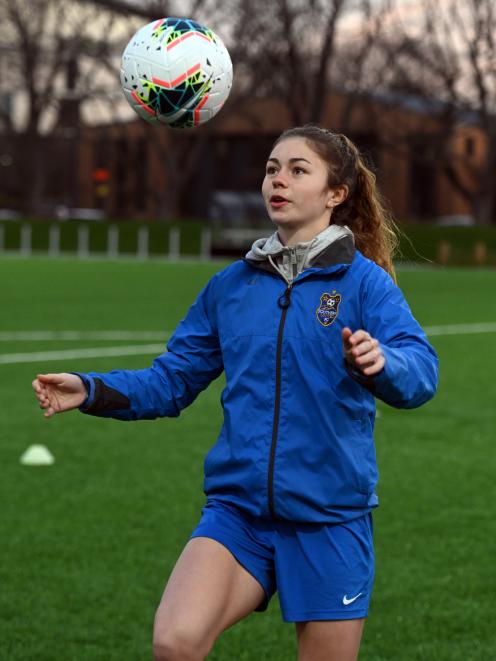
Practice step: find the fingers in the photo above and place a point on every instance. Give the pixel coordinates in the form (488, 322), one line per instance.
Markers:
(39, 389)
(366, 351)
(49, 412)
(375, 368)
(346, 333)
(371, 368)
(44, 402)
(48, 408)
(363, 351)
(42, 393)
(51, 378)
(358, 336)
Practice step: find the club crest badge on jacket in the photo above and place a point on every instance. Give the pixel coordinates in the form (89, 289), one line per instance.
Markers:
(328, 308)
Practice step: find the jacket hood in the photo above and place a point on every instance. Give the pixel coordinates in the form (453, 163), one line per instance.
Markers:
(292, 260)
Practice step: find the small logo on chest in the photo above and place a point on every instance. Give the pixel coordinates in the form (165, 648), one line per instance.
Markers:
(328, 308)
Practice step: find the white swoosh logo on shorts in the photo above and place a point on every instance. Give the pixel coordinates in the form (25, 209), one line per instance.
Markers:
(347, 601)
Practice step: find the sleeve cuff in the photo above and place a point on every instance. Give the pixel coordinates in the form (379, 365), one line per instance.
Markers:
(89, 384)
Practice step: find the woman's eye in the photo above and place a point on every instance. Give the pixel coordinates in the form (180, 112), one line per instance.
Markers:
(271, 169)
(298, 170)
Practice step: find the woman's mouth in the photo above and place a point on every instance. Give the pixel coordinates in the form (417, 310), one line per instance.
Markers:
(277, 201)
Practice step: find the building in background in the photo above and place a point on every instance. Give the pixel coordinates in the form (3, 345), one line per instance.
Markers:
(152, 172)
(417, 95)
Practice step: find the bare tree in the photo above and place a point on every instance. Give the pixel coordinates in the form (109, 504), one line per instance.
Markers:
(60, 54)
(153, 9)
(444, 54)
(285, 49)
(179, 152)
(54, 58)
(357, 68)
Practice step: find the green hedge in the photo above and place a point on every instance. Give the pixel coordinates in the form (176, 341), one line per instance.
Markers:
(158, 239)
(462, 246)
(11, 235)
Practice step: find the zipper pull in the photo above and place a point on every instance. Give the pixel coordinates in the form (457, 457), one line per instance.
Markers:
(285, 300)
(294, 262)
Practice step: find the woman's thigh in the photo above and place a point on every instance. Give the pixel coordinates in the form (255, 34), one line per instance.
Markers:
(207, 592)
(337, 640)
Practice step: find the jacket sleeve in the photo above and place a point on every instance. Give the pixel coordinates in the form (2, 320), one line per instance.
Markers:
(193, 359)
(410, 374)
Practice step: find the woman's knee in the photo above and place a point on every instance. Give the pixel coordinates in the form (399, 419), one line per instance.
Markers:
(179, 644)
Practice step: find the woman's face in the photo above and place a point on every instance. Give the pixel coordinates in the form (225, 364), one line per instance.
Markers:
(295, 188)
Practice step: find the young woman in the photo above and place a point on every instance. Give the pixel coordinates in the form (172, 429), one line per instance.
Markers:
(309, 329)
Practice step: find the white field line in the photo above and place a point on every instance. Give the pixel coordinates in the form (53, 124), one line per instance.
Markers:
(15, 336)
(461, 329)
(71, 354)
(143, 349)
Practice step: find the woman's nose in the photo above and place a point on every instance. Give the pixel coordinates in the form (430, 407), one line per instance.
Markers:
(279, 181)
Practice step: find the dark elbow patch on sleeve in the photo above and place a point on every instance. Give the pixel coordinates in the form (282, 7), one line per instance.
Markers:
(107, 399)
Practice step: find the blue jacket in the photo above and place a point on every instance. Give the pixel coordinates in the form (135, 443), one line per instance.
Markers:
(297, 439)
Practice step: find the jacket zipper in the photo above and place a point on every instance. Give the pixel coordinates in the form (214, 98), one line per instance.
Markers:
(294, 262)
(284, 302)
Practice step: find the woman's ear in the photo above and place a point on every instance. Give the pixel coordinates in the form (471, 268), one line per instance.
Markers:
(337, 196)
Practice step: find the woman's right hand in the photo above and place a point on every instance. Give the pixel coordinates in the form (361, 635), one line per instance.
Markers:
(57, 393)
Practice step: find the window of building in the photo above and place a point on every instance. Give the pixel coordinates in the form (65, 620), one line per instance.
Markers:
(240, 161)
(423, 173)
(469, 145)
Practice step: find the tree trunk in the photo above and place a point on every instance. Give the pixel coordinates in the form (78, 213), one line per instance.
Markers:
(33, 172)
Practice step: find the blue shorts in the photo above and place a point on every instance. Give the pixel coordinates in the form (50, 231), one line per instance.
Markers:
(321, 571)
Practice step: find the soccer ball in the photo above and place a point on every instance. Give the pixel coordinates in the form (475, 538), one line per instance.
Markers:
(176, 72)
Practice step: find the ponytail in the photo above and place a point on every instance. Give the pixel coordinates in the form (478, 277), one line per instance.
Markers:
(374, 229)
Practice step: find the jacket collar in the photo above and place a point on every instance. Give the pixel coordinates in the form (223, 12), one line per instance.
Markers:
(341, 252)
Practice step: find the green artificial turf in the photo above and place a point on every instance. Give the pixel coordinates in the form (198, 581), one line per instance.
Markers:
(86, 545)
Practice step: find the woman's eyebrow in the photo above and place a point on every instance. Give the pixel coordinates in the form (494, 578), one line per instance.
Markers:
(291, 160)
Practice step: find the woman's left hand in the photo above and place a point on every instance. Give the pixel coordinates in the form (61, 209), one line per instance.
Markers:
(362, 352)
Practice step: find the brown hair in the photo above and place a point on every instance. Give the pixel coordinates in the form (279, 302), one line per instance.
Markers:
(364, 210)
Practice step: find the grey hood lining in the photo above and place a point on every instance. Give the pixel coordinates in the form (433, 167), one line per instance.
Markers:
(290, 261)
